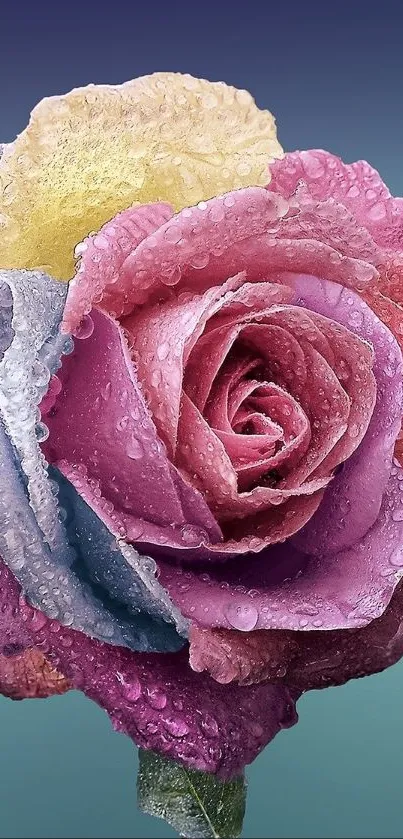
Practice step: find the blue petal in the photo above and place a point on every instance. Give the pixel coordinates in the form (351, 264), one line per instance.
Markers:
(59, 578)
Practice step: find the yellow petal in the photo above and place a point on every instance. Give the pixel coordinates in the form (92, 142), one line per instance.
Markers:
(93, 152)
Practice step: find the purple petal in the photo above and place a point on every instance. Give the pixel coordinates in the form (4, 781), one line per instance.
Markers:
(352, 501)
(156, 699)
(284, 589)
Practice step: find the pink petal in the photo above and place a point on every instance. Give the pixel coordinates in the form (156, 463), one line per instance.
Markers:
(99, 277)
(162, 338)
(356, 186)
(101, 420)
(285, 589)
(249, 230)
(310, 660)
(180, 253)
(319, 182)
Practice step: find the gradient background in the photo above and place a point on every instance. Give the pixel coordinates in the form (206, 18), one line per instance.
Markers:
(333, 76)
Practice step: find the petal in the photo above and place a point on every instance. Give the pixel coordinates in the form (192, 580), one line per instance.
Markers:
(356, 186)
(243, 657)
(95, 151)
(354, 497)
(101, 258)
(285, 589)
(324, 186)
(102, 421)
(27, 675)
(307, 660)
(156, 700)
(25, 370)
(251, 230)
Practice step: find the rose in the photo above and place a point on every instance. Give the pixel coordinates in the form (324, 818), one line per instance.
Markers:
(151, 698)
(209, 273)
(251, 392)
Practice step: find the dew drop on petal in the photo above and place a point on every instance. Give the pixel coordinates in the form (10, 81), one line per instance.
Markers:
(85, 328)
(242, 617)
(130, 690)
(176, 726)
(156, 698)
(134, 449)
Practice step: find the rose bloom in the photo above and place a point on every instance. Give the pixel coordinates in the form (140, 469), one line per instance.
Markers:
(223, 429)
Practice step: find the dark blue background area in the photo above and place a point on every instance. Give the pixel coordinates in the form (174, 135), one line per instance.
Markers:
(332, 73)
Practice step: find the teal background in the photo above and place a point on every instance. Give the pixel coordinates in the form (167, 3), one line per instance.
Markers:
(333, 75)
(338, 773)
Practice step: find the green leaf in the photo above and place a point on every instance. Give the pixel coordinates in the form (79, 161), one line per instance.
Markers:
(194, 803)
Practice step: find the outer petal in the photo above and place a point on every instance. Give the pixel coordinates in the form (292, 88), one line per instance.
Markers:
(157, 700)
(251, 230)
(101, 258)
(309, 660)
(95, 151)
(27, 675)
(285, 589)
(356, 186)
(318, 179)
(33, 540)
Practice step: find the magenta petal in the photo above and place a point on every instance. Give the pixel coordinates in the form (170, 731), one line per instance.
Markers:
(101, 421)
(155, 699)
(285, 589)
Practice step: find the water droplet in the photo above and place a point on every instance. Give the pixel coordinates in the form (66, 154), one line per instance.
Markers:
(156, 378)
(122, 423)
(130, 690)
(396, 557)
(134, 449)
(209, 725)
(243, 617)
(229, 200)
(176, 726)
(156, 698)
(193, 535)
(377, 212)
(41, 432)
(163, 350)
(106, 391)
(85, 328)
(199, 260)
(397, 515)
(68, 346)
